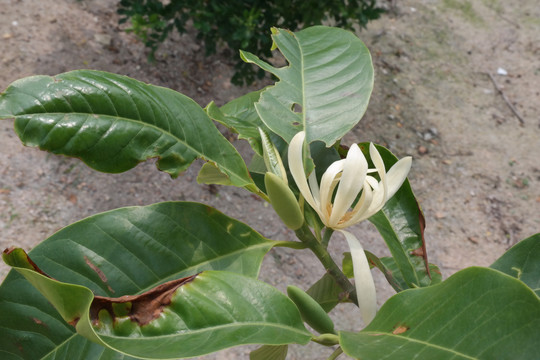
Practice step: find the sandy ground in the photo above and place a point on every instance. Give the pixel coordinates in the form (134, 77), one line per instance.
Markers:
(476, 169)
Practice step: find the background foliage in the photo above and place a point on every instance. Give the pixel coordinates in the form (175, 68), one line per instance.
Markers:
(241, 24)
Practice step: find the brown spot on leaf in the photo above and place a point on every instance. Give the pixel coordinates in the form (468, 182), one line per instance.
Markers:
(99, 272)
(39, 322)
(74, 321)
(418, 252)
(144, 307)
(400, 329)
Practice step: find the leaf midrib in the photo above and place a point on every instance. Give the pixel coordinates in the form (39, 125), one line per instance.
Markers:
(140, 122)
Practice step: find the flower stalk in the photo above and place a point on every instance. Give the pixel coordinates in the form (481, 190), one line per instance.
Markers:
(307, 237)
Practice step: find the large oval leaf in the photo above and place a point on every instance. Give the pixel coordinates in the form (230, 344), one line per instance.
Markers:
(478, 313)
(113, 122)
(522, 261)
(325, 89)
(125, 251)
(191, 316)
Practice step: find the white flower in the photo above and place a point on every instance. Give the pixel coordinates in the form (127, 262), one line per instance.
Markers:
(350, 176)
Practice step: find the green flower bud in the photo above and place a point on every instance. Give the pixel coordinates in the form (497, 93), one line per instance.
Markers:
(283, 201)
(310, 310)
(271, 157)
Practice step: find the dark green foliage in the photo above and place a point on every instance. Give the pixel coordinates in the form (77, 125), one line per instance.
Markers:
(241, 24)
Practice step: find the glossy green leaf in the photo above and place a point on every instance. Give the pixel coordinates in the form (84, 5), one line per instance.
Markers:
(522, 261)
(401, 224)
(270, 352)
(325, 88)
(478, 313)
(125, 251)
(113, 122)
(188, 317)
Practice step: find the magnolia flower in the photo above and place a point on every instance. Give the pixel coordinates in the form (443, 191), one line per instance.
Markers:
(351, 178)
(351, 174)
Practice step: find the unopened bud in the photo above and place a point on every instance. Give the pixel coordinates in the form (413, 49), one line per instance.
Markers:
(283, 201)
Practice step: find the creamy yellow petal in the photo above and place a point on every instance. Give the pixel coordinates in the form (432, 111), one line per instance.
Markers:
(351, 183)
(363, 280)
(360, 211)
(296, 166)
(379, 194)
(329, 180)
(397, 174)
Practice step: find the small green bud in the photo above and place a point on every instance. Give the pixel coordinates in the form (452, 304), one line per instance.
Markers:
(271, 157)
(310, 310)
(283, 201)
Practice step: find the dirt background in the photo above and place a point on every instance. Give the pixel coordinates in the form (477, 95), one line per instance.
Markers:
(476, 169)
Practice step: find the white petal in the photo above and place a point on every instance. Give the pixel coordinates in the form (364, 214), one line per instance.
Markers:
(379, 164)
(296, 165)
(352, 181)
(329, 181)
(312, 179)
(379, 194)
(360, 211)
(365, 287)
(397, 175)
(373, 182)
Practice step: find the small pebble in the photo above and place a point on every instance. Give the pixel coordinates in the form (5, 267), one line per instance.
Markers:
(422, 150)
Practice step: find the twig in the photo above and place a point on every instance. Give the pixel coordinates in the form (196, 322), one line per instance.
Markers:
(514, 110)
(336, 353)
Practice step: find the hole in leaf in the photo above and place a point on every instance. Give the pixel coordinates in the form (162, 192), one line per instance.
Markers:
(297, 108)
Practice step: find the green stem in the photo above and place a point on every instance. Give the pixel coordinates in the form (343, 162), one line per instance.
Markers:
(290, 244)
(326, 237)
(335, 354)
(320, 251)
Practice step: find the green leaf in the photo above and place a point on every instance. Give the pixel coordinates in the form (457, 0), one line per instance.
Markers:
(522, 261)
(121, 252)
(478, 313)
(269, 352)
(240, 116)
(326, 292)
(113, 122)
(191, 316)
(210, 174)
(325, 89)
(401, 224)
(390, 270)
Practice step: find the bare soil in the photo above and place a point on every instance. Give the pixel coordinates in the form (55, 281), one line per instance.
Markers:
(476, 169)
